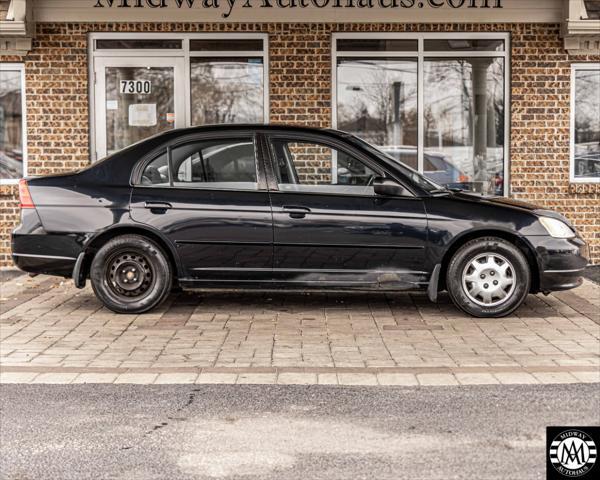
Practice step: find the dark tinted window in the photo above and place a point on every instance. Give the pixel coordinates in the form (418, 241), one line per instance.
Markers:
(376, 45)
(224, 45)
(138, 44)
(466, 45)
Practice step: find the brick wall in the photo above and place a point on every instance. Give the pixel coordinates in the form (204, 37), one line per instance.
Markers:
(300, 93)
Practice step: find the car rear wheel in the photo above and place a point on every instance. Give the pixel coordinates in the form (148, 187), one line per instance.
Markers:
(131, 274)
(488, 277)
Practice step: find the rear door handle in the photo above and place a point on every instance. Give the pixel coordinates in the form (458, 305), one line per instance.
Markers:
(158, 206)
(296, 211)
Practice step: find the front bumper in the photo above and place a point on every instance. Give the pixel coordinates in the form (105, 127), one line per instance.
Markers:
(561, 262)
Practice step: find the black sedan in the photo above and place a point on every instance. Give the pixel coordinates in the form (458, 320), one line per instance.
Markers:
(284, 207)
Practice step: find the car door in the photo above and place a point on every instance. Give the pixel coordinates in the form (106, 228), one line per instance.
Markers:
(329, 227)
(208, 196)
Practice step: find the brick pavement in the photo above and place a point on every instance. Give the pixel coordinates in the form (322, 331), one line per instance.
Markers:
(51, 332)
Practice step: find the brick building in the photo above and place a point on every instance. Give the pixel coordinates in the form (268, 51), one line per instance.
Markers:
(499, 97)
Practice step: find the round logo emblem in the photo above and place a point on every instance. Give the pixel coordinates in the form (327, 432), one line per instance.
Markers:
(572, 453)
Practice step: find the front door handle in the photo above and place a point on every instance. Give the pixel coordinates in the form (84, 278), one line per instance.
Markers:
(295, 211)
(158, 207)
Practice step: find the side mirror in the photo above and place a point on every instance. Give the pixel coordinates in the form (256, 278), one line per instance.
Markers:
(389, 188)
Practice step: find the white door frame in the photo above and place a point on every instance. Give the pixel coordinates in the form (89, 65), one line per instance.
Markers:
(100, 65)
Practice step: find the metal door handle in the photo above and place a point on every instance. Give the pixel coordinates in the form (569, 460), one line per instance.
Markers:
(158, 206)
(296, 211)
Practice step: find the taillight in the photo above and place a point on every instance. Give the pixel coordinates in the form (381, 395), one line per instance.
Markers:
(24, 195)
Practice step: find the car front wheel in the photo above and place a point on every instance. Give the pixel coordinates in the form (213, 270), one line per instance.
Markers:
(131, 274)
(488, 277)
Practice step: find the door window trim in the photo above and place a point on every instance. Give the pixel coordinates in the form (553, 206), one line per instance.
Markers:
(420, 54)
(185, 52)
(138, 169)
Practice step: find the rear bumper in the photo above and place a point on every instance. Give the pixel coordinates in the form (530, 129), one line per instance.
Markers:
(36, 251)
(44, 264)
(561, 262)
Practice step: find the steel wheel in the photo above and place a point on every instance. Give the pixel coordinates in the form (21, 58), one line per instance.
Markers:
(489, 280)
(129, 274)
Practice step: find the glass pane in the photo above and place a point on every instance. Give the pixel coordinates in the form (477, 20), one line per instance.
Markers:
(311, 167)
(226, 164)
(227, 90)
(464, 123)
(377, 101)
(139, 103)
(587, 124)
(458, 45)
(157, 172)
(224, 45)
(11, 125)
(376, 45)
(140, 44)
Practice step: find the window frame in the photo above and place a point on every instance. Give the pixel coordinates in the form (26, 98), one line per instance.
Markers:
(20, 67)
(575, 67)
(421, 55)
(185, 52)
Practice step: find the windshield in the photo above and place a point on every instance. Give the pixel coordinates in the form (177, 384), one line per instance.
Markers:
(413, 175)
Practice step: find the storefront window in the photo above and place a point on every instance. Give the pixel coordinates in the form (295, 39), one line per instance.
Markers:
(464, 123)
(228, 90)
(377, 100)
(149, 83)
(585, 123)
(439, 108)
(12, 122)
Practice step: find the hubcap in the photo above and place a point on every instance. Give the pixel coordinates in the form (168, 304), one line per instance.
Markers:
(129, 274)
(489, 280)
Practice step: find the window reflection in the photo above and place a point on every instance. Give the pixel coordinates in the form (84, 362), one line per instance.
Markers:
(464, 123)
(227, 90)
(11, 125)
(377, 101)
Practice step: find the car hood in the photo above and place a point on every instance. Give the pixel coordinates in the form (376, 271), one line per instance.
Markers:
(512, 203)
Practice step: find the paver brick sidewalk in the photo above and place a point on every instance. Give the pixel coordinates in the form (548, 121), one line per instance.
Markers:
(51, 332)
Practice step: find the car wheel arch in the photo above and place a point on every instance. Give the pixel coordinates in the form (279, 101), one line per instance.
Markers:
(511, 237)
(103, 237)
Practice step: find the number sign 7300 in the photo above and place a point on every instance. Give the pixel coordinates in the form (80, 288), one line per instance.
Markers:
(137, 87)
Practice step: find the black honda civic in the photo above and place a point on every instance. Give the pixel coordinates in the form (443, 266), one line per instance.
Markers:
(269, 207)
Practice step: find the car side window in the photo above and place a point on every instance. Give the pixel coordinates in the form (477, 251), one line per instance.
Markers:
(220, 164)
(306, 166)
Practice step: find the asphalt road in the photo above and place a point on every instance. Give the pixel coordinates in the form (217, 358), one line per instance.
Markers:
(283, 432)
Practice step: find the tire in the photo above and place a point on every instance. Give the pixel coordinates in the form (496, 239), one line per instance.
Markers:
(131, 274)
(488, 277)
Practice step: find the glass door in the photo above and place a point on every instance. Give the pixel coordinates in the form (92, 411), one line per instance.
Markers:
(135, 99)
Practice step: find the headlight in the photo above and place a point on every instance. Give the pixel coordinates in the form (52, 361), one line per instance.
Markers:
(556, 228)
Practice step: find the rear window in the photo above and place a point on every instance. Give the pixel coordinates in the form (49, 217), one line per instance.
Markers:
(219, 164)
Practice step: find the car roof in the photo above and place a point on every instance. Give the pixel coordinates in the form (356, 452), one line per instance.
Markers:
(258, 126)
